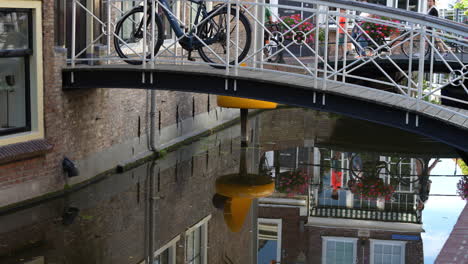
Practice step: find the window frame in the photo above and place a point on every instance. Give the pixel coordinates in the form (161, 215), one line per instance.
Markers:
(172, 246)
(400, 243)
(203, 224)
(33, 74)
(25, 54)
(279, 223)
(325, 239)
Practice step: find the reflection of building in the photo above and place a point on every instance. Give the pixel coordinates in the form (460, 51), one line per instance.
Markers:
(349, 229)
(164, 211)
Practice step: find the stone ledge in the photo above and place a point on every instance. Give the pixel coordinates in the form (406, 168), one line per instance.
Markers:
(23, 150)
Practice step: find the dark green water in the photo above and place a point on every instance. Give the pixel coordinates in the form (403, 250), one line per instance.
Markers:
(184, 207)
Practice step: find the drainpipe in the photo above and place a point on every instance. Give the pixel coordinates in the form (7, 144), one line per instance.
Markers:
(152, 120)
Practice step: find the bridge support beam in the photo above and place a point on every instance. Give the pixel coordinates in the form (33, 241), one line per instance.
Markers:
(273, 90)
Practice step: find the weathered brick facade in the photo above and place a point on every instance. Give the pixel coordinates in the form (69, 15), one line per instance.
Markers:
(114, 217)
(98, 128)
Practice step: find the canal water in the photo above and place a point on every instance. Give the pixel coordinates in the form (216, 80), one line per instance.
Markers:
(309, 187)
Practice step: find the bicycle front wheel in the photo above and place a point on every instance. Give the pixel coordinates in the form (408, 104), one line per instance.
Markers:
(214, 33)
(128, 37)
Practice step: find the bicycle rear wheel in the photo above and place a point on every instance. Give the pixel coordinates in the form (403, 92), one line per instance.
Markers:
(128, 38)
(214, 32)
(415, 49)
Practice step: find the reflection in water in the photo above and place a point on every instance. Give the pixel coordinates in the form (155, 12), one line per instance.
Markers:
(235, 192)
(345, 191)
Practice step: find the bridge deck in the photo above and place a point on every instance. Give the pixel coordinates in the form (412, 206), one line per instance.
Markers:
(445, 114)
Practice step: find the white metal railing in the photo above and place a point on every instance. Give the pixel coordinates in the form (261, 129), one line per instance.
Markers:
(405, 50)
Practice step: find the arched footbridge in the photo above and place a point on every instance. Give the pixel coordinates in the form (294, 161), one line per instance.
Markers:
(395, 67)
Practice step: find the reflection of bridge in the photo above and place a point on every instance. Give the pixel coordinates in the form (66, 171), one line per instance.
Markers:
(415, 102)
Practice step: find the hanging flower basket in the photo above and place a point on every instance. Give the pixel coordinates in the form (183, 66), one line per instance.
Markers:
(293, 182)
(378, 32)
(462, 188)
(297, 29)
(372, 189)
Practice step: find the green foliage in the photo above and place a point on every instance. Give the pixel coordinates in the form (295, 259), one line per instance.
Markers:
(463, 167)
(162, 153)
(462, 5)
(86, 217)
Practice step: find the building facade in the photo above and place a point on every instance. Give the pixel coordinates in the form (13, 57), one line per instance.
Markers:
(98, 129)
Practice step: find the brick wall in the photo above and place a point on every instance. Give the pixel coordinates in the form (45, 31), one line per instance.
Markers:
(112, 226)
(97, 128)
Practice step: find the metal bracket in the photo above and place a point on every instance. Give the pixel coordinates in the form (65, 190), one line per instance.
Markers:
(229, 83)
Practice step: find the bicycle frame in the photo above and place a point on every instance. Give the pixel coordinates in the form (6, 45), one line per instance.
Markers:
(188, 41)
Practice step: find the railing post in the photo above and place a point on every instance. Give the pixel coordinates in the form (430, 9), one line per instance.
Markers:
(337, 35)
(73, 47)
(421, 65)
(236, 62)
(261, 32)
(109, 30)
(145, 22)
(153, 23)
(325, 59)
(256, 28)
(410, 62)
(317, 39)
(228, 37)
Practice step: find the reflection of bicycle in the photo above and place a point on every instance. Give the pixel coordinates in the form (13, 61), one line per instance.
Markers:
(384, 45)
(272, 44)
(208, 35)
(376, 167)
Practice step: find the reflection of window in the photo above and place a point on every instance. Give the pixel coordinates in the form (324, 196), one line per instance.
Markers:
(339, 250)
(325, 198)
(196, 242)
(166, 254)
(15, 51)
(392, 252)
(269, 240)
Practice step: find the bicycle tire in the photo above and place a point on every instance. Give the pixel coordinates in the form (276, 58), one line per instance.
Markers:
(210, 26)
(123, 25)
(406, 47)
(401, 177)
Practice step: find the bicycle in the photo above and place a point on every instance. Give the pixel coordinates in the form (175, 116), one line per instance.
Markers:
(208, 37)
(385, 45)
(272, 48)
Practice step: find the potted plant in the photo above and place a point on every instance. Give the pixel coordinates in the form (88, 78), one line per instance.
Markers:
(372, 189)
(292, 182)
(462, 187)
(378, 32)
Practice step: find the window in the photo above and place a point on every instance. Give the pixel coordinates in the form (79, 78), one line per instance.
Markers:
(391, 252)
(166, 254)
(339, 250)
(15, 48)
(196, 242)
(20, 72)
(269, 240)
